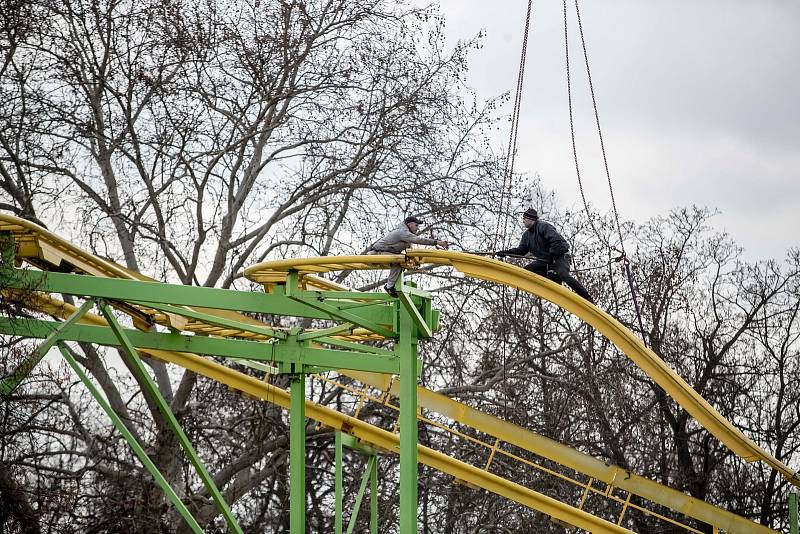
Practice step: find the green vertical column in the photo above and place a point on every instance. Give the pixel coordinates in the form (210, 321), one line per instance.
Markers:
(793, 513)
(373, 496)
(338, 484)
(406, 349)
(297, 455)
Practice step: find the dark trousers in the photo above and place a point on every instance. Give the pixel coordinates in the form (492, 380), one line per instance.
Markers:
(558, 271)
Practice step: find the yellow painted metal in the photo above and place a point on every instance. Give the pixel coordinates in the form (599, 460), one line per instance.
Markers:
(611, 475)
(510, 275)
(388, 441)
(503, 432)
(45, 250)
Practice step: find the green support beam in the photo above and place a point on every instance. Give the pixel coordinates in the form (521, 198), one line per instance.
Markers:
(406, 349)
(228, 348)
(297, 454)
(792, 512)
(212, 319)
(295, 352)
(370, 474)
(302, 305)
(149, 384)
(132, 442)
(338, 483)
(373, 496)
(360, 495)
(422, 324)
(11, 382)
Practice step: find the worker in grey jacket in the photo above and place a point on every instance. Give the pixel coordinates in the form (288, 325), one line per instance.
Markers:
(396, 242)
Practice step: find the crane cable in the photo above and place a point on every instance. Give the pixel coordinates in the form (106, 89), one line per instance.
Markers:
(625, 261)
(508, 171)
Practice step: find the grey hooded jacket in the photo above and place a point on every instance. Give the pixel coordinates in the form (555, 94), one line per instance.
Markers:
(398, 240)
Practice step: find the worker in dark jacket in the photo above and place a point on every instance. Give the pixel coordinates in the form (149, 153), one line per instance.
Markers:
(549, 250)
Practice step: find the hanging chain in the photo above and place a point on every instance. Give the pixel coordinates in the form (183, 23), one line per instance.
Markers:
(625, 261)
(508, 169)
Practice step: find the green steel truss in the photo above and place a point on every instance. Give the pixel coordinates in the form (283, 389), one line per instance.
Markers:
(296, 352)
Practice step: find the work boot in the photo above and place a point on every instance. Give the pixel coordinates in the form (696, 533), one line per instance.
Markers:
(391, 290)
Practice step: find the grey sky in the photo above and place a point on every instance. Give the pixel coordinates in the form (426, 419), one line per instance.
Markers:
(698, 103)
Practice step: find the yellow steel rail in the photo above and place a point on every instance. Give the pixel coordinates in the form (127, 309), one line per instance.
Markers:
(47, 251)
(369, 434)
(505, 432)
(510, 275)
(597, 471)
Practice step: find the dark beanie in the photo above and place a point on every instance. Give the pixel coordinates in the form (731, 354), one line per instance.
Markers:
(530, 213)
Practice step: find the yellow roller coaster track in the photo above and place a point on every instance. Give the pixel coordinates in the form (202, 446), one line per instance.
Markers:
(510, 275)
(47, 251)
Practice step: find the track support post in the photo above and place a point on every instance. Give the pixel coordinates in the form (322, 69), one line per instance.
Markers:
(406, 349)
(297, 454)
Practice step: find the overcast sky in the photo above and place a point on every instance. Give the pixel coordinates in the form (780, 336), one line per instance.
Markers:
(699, 103)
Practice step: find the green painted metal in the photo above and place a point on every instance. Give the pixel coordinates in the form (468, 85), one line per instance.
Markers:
(792, 512)
(351, 442)
(212, 319)
(371, 473)
(132, 442)
(352, 295)
(297, 455)
(360, 495)
(338, 484)
(149, 384)
(345, 315)
(295, 352)
(332, 331)
(207, 297)
(11, 382)
(419, 320)
(406, 348)
(223, 347)
(373, 496)
(360, 347)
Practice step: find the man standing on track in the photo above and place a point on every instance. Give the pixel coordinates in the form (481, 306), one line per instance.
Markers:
(549, 249)
(396, 242)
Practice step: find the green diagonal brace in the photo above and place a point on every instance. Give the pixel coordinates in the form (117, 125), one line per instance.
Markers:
(137, 448)
(148, 382)
(10, 383)
(212, 319)
(420, 321)
(332, 331)
(360, 347)
(361, 489)
(343, 315)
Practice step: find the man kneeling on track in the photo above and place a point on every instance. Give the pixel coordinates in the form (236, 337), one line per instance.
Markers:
(549, 250)
(397, 241)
